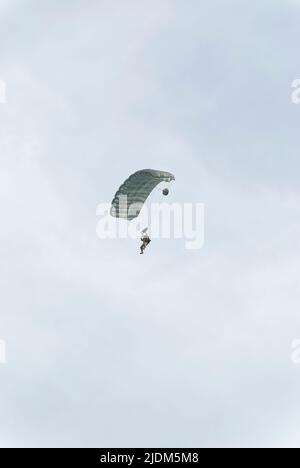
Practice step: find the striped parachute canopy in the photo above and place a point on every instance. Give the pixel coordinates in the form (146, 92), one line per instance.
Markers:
(131, 196)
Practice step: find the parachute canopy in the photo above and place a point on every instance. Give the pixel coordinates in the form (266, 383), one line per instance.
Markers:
(131, 196)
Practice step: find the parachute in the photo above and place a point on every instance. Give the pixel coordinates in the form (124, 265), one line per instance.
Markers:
(133, 193)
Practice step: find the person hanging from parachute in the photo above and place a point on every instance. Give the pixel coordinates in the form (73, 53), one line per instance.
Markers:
(145, 240)
(135, 191)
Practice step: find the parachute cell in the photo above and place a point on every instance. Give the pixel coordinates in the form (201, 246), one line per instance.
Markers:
(131, 196)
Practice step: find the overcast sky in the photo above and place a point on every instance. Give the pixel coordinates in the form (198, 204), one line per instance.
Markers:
(177, 348)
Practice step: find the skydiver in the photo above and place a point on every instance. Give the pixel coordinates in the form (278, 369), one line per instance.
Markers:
(145, 241)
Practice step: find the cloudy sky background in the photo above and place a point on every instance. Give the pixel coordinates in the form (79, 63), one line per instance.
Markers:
(177, 348)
